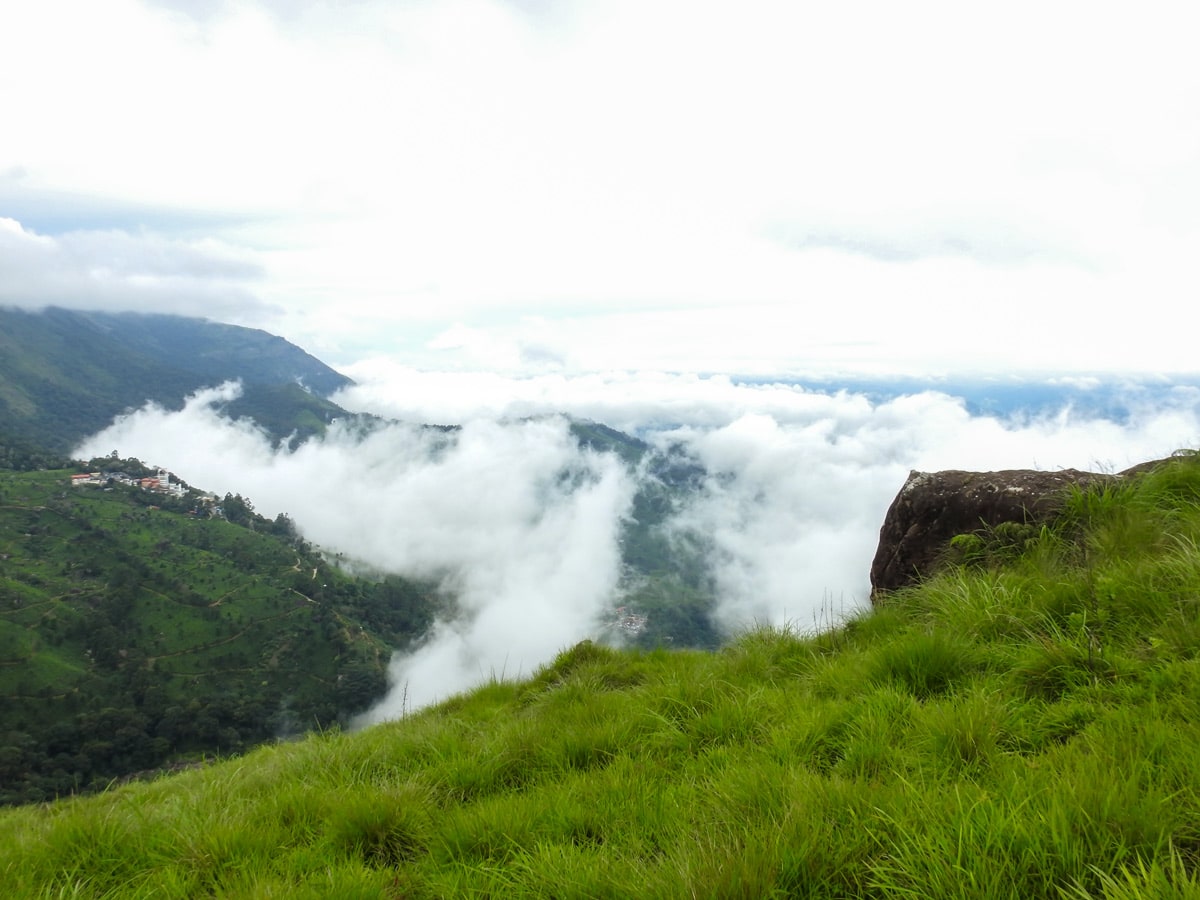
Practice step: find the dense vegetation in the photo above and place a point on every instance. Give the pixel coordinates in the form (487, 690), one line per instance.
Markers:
(137, 629)
(65, 374)
(1026, 724)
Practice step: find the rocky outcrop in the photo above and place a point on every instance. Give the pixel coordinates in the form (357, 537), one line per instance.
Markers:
(933, 507)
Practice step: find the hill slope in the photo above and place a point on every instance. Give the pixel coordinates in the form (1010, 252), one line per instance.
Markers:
(1024, 725)
(135, 628)
(65, 374)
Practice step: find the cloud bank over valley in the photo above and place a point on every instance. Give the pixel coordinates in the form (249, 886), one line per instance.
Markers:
(522, 525)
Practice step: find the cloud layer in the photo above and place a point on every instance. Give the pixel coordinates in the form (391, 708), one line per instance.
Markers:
(515, 521)
(522, 526)
(485, 184)
(114, 270)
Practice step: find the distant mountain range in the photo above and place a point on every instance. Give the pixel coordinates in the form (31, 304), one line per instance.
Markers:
(65, 374)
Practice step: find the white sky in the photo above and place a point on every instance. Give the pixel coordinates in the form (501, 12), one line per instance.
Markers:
(529, 186)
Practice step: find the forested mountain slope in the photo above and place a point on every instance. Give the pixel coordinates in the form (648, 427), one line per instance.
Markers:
(65, 374)
(136, 628)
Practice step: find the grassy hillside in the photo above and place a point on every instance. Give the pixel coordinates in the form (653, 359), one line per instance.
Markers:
(133, 631)
(1024, 725)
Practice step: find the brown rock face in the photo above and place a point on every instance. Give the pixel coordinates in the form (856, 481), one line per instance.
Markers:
(933, 507)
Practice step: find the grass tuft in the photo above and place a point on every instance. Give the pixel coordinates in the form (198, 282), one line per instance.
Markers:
(925, 665)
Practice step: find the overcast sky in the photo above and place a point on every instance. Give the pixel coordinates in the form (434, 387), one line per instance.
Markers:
(533, 186)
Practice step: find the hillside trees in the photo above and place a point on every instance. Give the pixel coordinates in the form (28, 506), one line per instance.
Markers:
(238, 510)
(21, 456)
(132, 636)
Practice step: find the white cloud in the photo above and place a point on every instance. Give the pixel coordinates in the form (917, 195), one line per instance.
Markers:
(522, 526)
(514, 520)
(115, 270)
(932, 187)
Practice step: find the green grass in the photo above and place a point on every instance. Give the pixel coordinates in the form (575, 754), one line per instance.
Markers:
(1024, 725)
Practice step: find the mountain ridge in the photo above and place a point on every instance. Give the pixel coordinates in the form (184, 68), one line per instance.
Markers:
(65, 374)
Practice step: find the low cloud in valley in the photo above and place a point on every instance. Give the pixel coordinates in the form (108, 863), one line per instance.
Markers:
(521, 525)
